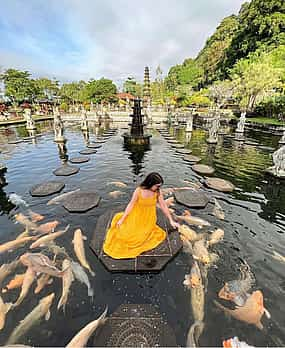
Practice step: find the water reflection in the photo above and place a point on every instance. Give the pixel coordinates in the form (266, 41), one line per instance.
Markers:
(137, 153)
(62, 151)
(86, 137)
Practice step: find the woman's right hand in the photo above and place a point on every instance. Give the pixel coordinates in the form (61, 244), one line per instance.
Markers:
(119, 222)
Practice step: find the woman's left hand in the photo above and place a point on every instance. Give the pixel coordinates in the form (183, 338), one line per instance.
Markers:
(174, 224)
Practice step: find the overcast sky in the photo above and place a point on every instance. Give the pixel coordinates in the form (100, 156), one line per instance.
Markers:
(83, 39)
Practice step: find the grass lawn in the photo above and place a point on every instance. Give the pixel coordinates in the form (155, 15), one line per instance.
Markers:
(265, 120)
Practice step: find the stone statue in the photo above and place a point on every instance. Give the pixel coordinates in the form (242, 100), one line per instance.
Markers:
(213, 131)
(279, 162)
(58, 127)
(28, 117)
(84, 122)
(189, 123)
(241, 123)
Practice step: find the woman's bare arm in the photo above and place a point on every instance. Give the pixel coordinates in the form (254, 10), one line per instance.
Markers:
(165, 210)
(129, 207)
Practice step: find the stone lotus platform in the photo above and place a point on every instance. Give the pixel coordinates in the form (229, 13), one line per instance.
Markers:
(80, 202)
(46, 188)
(135, 325)
(87, 152)
(192, 198)
(219, 184)
(184, 151)
(152, 260)
(191, 158)
(66, 170)
(203, 169)
(80, 159)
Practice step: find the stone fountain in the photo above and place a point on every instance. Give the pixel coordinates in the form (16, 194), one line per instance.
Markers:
(84, 122)
(213, 131)
(240, 127)
(58, 127)
(136, 135)
(30, 125)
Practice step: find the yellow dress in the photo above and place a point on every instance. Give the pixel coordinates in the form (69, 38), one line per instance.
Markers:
(138, 233)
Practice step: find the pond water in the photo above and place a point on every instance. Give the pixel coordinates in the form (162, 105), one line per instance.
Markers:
(254, 226)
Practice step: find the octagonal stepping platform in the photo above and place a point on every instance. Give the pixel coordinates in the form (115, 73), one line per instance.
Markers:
(94, 146)
(169, 138)
(66, 170)
(135, 325)
(88, 152)
(203, 169)
(79, 159)
(177, 146)
(98, 141)
(192, 198)
(80, 202)
(219, 184)
(251, 143)
(13, 142)
(191, 158)
(46, 188)
(184, 151)
(173, 142)
(150, 261)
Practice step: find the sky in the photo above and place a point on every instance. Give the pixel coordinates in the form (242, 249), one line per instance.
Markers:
(73, 40)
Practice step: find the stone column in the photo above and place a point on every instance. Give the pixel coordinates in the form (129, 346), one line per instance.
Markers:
(213, 131)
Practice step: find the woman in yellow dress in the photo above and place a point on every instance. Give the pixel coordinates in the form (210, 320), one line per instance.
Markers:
(135, 231)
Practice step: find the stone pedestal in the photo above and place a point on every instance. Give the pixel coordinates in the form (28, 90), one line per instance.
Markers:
(239, 136)
(278, 170)
(282, 140)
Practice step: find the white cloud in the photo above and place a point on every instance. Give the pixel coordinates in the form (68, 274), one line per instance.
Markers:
(111, 38)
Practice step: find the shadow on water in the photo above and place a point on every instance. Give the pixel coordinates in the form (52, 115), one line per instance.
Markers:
(253, 225)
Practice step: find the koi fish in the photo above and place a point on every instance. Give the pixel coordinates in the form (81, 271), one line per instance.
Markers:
(117, 183)
(59, 199)
(78, 246)
(49, 238)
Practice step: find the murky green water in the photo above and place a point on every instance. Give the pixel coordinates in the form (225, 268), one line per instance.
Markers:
(254, 226)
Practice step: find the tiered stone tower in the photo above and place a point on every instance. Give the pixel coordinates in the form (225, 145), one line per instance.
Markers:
(146, 88)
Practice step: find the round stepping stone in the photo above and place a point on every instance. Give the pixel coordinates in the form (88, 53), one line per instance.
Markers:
(191, 158)
(191, 198)
(184, 151)
(203, 169)
(219, 184)
(80, 159)
(80, 202)
(94, 146)
(178, 146)
(88, 152)
(46, 188)
(66, 170)
(135, 325)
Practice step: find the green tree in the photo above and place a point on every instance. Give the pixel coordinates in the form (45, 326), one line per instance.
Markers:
(254, 78)
(73, 92)
(133, 87)
(47, 88)
(100, 90)
(261, 27)
(19, 86)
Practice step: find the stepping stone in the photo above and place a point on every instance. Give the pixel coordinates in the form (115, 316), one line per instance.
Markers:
(152, 260)
(46, 188)
(266, 148)
(173, 142)
(252, 143)
(203, 169)
(169, 138)
(80, 159)
(219, 184)
(88, 152)
(191, 198)
(80, 202)
(178, 146)
(135, 325)
(94, 146)
(15, 142)
(191, 158)
(184, 151)
(66, 170)
(98, 142)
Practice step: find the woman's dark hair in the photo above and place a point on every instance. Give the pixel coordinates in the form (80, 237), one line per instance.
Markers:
(152, 179)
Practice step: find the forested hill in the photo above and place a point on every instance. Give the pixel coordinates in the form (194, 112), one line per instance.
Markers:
(259, 27)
